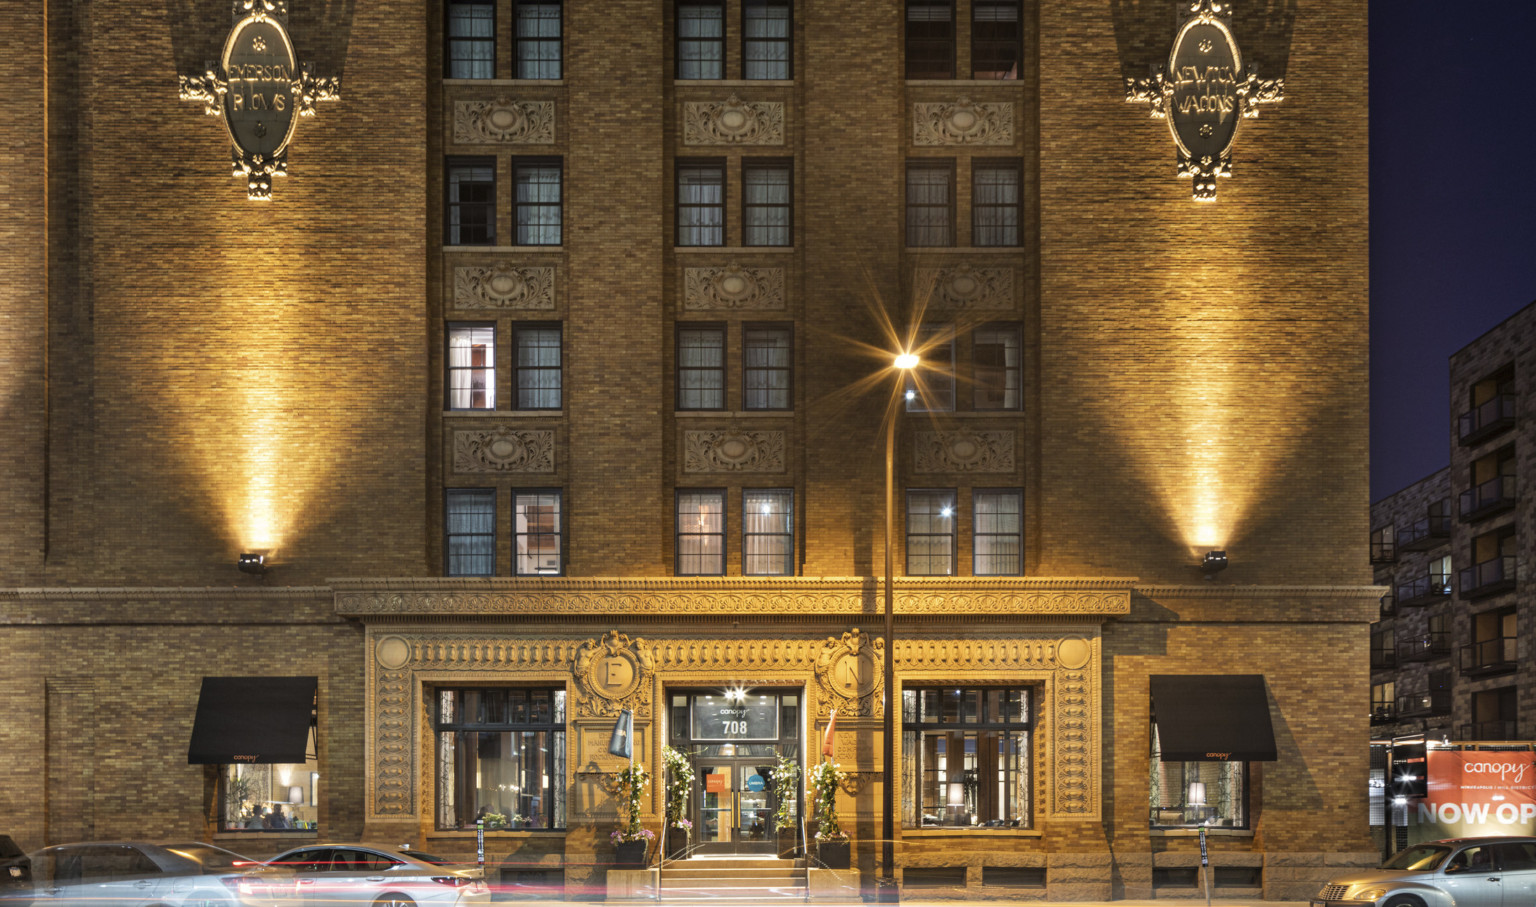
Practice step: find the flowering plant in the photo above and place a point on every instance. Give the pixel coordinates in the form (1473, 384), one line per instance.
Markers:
(786, 783)
(684, 824)
(825, 779)
(679, 783)
(630, 783)
(628, 837)
(494, 820)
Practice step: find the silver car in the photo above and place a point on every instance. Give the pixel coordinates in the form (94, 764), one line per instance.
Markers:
(334, 875)
(140, 874)
(1458, 872)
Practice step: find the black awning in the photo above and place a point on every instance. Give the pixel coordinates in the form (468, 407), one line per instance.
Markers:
(1210, 717)
(253, 719)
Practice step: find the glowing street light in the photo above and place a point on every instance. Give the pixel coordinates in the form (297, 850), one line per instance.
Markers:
(904, 363)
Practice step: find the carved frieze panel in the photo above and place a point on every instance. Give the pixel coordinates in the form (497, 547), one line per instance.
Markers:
(612, 674)
(392, 757)
(504, 286)
(733, 122)
(733, 287)
(733, 451)
(504, 449)
(963, 451)
(851, 674)
(504, 120)
(966, 287)
(963, 122)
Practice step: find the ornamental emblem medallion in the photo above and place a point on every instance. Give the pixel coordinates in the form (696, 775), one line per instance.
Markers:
(260, 89)
(1203, 92)
(614, 674)
(851, 673)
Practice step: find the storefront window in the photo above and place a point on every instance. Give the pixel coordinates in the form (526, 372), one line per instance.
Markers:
(501, 758)
(966, 758)
(270, 797)
(1192, 794)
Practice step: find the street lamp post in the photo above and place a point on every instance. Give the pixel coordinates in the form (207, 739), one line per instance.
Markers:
(886, 886)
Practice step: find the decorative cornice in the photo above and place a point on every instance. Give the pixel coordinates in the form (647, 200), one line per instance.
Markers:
(159, 593)
(1372, 594)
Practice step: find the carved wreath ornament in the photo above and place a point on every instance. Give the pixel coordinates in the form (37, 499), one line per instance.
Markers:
(734, 122)
(614, 674)
(851, 673)
(1203, 92)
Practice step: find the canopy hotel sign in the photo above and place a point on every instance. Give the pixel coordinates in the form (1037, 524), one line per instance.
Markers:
(1480, 792)
(1203, 91)
(260, 90)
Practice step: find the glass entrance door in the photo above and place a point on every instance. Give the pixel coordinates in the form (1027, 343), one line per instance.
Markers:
(736, 802)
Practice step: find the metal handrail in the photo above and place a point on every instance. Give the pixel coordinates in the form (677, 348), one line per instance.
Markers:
(805, 856)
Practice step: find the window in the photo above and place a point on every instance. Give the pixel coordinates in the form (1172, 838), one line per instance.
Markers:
(930, 39)
(766, 368)
(997, 366)
(1383, 547)
(998, 533)
(930, 202)
(469, 532)
(538, 39)
(1440, 574)
(765, 39)
(966, 757)
(471, 34)
(700, 39)
(1495, 715)
(536, 532)
(997, 41)
(995, 202)
(700, 532)
(471, 366)
(768, 532)
(536, 369)
(931, 387)
(700, 203)
(1493, 563)
(766, 206)
(700, 366)
(471, 196)
(1383, 701)
(536, 201)
(1197, 793)
(1383, 647)
(269, 797)
(500, 756)
(931, 532)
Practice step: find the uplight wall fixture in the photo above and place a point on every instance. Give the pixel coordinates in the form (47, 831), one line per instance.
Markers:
(1213, 563)
(254, 564)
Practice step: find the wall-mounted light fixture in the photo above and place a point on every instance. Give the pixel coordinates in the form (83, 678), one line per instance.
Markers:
(1212, 563)
(254, 564)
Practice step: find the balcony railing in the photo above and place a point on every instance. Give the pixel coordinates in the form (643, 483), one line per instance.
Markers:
(1489, 730)
(1424, 702)
(1493, 496)
(1383, 712)
(1425, 648)
(1381, 659)
(1424, 534)
(1488, 578)
(1426, 590)
(1486, 420)
(1383, 552)
(1490, 656)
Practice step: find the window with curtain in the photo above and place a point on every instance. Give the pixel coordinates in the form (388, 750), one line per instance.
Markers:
(700, 542)
(1197, 793)
(768, 532)
(766, 30)
(931, 202)
(538, 39)
(701, 366)
(700, 40)
(930, 39)
(471, 199)
(931, 387)
(766, 206)
(536, 532)
(471, 37)
(766, 351)
(700, 203)
(931, 532)
(469, 532)
(471, 366)
(997, 366)
(997, 532)
(997, 39)
(536, 201)
(995, 202)
(536, 367)
(500, 758)
(966, 755)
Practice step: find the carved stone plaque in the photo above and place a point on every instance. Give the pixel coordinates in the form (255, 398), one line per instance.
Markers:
(733, 451)
(614, 674)
(966, 287)
(734, 122)
(963, 122)
(852, 671)
(733, 287)
(504, 120)
(504, 286)
(963, 451)
(504, 449)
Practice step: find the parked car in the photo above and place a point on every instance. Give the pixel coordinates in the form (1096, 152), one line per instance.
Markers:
(1457, 872)
(140, 874)
(15, 874)
(338, 874)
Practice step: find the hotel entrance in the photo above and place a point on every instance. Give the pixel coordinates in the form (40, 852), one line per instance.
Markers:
(733, 739)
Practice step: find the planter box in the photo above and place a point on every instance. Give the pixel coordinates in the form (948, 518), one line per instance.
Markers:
(787, 844)
(833, 854)
(677, 842)
(630, 854)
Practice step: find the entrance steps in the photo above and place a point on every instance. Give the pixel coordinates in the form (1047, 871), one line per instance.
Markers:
(733, 877)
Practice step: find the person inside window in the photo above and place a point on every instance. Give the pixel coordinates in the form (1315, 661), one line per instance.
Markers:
(276, 819)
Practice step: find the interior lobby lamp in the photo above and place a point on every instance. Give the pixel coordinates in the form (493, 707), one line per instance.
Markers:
(254, 564)
(904, 363)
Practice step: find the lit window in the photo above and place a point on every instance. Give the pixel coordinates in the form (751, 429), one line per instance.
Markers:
(500, 758)
(471, 366)
(270, 797)
(700, 532)
(931, 532)
(767, 532)
(998, 533)
(1213, 792)
(968, 757)
(537, 532)
(931, 387)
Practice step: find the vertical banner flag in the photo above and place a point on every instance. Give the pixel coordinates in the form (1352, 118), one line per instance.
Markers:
(622, 743)
(829, 736)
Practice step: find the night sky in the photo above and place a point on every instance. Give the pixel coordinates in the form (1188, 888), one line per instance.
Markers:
(1453, 208)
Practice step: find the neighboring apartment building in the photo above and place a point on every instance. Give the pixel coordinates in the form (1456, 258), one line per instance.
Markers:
(550, 380)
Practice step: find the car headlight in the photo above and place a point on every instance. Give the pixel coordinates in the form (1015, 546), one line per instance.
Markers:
(1369, 894)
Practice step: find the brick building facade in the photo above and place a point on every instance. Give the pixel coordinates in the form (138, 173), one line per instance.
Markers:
(555, 369)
